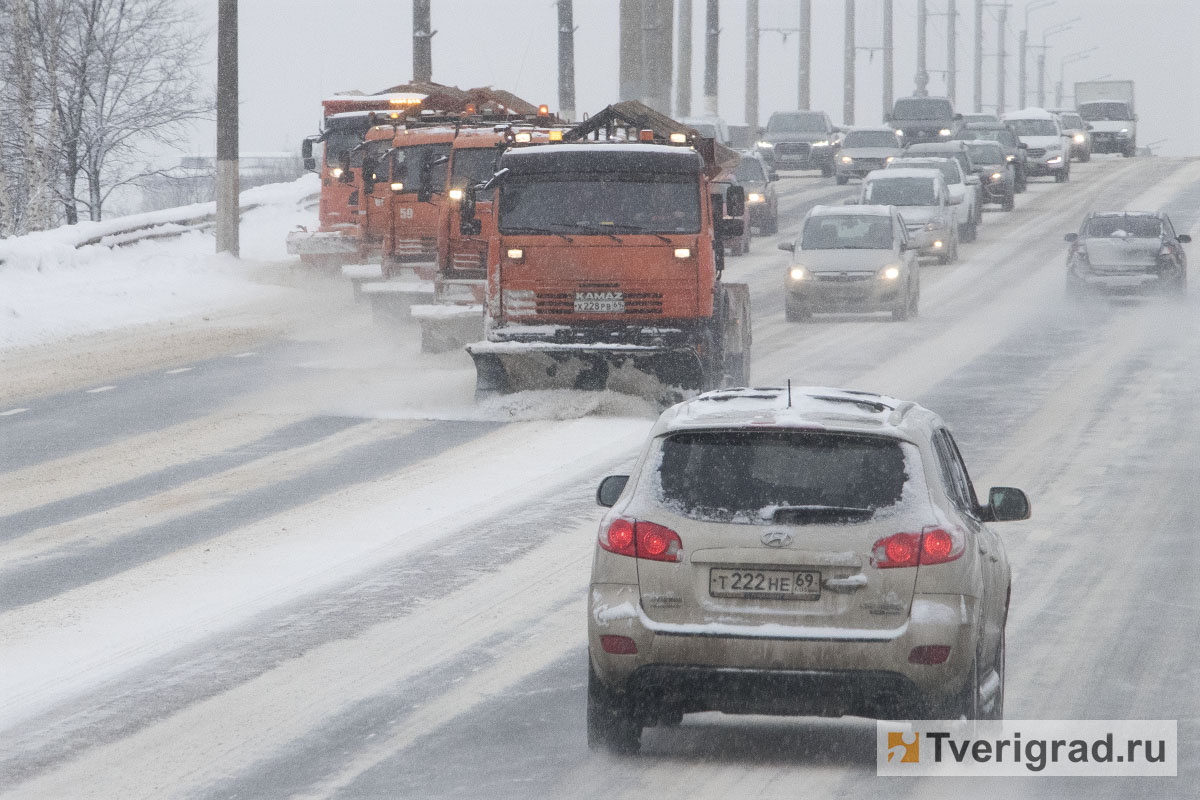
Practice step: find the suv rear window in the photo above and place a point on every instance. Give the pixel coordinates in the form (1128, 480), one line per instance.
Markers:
(744, 476)
(922, 108)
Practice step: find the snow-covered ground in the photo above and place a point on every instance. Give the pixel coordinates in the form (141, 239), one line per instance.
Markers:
(51, 287)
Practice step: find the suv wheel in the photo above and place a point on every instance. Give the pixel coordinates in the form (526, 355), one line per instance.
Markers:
(610, 725)
(796, 310)
(842, 180)
(904, 304)
(827, 170)
(1009, 202)
(969, 231)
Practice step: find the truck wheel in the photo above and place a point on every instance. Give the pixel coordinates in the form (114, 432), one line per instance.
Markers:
(610, 725)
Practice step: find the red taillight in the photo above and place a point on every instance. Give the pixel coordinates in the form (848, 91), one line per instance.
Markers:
(620, 645)
(931, 546)
(925, 654)
(642, 540)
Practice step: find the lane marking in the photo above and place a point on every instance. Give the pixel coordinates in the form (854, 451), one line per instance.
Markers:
(245, 355)
(99, 389)
(12, 411)
(179, 370)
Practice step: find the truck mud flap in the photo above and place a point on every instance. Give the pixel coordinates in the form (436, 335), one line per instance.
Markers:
(662, 375)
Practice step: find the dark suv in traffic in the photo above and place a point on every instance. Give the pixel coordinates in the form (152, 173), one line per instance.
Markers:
(924, 119)
(800, 140)
(1014, 149)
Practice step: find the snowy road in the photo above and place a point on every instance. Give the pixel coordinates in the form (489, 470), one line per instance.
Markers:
(312, 567)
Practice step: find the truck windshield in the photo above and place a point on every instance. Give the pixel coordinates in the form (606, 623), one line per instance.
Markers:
(847, 232)
(1034, 127)
(339, 143)
(1104, 112)
(744, 476)
(796, 123)
(372, 157)
(406, 167)
(901, 192)
(611, 203)
(923, 108)
(473, 166)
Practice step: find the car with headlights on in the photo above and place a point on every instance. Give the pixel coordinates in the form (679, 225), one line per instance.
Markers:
(925, 204)
(924, 119)
(1126, 251)
(951, 149)
(866, 149)
(996, 173)
(1049, 150)
(796, 551)
(851, 258)
(762, 201)
(963, 187)
(1078, 131)
(800, 140)
(1014, 149)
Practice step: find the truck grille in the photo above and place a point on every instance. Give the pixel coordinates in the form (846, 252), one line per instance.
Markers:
(469, 261)
(793, 149)
(414, 248)
(562, 303)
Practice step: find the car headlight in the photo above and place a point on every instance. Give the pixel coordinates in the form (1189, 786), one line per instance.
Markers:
(997, 176)
(798, 273)
(889, 159)
(1010, 159)
(1079, 138)
(899, 131)
(889, 273)
(755, 197)
(1055, 160)
(847, 160)
(931, 226)
(1123, 132)
(766, 145)
(944, 132)
(822, 143)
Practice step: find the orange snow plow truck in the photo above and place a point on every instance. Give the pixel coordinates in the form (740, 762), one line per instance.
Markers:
(604, 271)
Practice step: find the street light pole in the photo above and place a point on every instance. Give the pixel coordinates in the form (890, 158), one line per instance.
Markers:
(1046, 34)
(1062, 67)
(1024, 41)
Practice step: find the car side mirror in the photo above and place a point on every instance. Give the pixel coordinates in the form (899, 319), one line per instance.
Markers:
(1006, 504)
(791, 246)
(956, 199)
(972, 180)
(1023, 145)
(1088, 125)
(772, 175)
(1184, 238)
(610, 490)
(468, 223)
(1070, 237)
(735, 201)
(958, 117)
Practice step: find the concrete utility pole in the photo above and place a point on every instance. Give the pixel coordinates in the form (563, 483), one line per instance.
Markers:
(978, 56)
(848, 69)
(921, 88)
(1041, 92)
(566, 60)
(1001, 63)
(656, 54)
(712, 36)
(888, 59)
(422, 42)
(804, 97)
(1022, 48)
(683, 80)
(228, 218)
(752, 64)
(951, 51)
(629, 62)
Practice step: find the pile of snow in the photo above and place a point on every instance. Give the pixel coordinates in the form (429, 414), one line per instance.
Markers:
(52, 286)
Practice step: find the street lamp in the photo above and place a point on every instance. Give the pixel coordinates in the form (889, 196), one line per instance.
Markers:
(1022, 47)
(1062, 66)
(1046, 34)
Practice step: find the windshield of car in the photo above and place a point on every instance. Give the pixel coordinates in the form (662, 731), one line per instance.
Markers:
(870, 139)
(901, 192)
(473, 166)
(1001, 135)
(749, 171)
(796, 123)
(1104, 112)
(1131, 226)
(406, 166)
(847, 232)
(1034, 127)
(922, 108)
(986, 154)
(1072, 121)
(949, 169)
(600, 203)
(741, 476)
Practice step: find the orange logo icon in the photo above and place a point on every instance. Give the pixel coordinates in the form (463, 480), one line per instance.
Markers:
(909, 751)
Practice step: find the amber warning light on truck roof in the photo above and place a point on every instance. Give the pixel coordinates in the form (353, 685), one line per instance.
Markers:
(543, 110)
(556, 136)
(404, 101)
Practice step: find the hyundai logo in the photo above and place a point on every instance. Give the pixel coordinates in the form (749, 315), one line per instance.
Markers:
(776, 538)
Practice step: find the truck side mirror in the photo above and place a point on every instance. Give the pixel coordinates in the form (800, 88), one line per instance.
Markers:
(306, 152)
(735, 201)
(468, 223)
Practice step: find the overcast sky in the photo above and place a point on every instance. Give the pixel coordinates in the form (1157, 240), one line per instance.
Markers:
(295, 52)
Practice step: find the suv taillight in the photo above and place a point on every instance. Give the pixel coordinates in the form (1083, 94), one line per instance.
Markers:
(642, 540)
(930, 546)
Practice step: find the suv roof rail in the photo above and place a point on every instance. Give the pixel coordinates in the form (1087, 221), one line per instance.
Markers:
(898, 414)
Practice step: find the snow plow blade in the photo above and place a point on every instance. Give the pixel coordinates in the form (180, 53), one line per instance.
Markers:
(663, 374)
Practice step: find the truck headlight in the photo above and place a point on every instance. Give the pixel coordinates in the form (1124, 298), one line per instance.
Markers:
(944, 132)
(1079, 138)
(755, 197)
(847, 160)
(899, 131)
(766, 145)
(798, 273)
(1010, 159)
(889, 273)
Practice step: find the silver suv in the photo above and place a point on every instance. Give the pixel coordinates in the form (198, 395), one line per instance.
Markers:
(796, 552)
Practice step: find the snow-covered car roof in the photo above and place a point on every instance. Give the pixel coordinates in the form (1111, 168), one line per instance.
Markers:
(805, 407)
(849, 211)
(1029, 113)
(903, 172)
(872, 129)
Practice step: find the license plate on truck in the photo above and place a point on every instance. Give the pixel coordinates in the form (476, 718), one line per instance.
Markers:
(599, 303)
(765, 584)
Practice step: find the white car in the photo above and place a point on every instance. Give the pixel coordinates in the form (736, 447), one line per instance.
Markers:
(921, 197)
(1048, 147)
(796, 551)
(964, 189)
